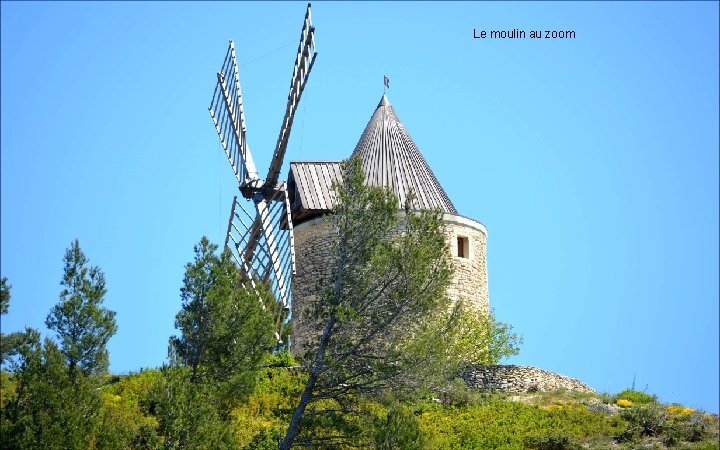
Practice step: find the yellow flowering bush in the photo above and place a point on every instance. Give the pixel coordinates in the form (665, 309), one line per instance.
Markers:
(679, 411)
(564, 405)
(624, 403)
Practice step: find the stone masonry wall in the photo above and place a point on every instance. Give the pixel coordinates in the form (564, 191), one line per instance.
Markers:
(515, 379)
(313, 267)
(470, 281)
(313, 262)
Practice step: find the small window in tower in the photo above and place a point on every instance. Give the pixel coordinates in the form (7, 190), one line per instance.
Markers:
(463, 247)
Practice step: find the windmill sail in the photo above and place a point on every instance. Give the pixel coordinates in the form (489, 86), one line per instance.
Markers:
(273, 260)
(226, 110)
(303, 65)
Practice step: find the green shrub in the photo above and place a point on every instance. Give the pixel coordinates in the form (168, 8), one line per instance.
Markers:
(707, 446)
(550, 443)
(695, 432)
(637, 397)
(280, 359)
(398, 431)
(688, 426)
(643, 421)
(268, 408)
(506, 424)
(146, 438)
(457, 393)
(267, 439)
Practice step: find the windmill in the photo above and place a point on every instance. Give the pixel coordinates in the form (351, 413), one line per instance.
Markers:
(260, 230)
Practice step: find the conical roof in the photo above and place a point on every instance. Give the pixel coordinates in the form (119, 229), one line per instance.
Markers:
(391, 159)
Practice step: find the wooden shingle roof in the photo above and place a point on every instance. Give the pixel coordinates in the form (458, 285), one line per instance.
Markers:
(310, 188)
(389, 158)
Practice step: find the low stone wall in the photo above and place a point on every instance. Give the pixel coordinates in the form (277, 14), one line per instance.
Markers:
(514, 379)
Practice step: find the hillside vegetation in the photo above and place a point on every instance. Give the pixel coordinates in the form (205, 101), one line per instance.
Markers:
(135, 406)
(456, 419)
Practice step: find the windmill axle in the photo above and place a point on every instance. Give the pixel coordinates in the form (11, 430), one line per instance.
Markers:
(260, 190)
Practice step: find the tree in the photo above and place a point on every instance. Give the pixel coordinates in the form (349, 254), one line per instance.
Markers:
(7, 341)
(388, 323)
(55, 399)
(390, 274)
(224, 335)
(83, 326)
(4, 295)
(48, 409)
(187, 412)
(192, 320)
(12, 342)
(224, 329)
(398, 431)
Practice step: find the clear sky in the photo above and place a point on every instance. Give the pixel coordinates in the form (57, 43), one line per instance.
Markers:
(592, 161)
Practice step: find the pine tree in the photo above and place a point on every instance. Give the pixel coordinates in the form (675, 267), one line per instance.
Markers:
(82, 325)
(50, 410)
(56, 401)
(224, 335)
(193, 320)
(8, 342)
(224, 330)
(4, 295)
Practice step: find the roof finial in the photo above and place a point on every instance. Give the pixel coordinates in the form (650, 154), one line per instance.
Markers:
(386, 82)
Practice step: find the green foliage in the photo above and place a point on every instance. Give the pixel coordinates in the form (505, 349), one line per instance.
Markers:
(709, 445)
(49, 409)
(696, 429)
(55, 400)
(146, 438)
(282, 358)
(637, 397)
(225, 331)
(8, 385)
(505, 424)
(462, 338)
(223, 389)
(225, 336)
(267, 439)
(128, 411)
(83, 326)
(487, 340)
(186, 412)
(399, 430)
(645, 420)
(457, 393)
(674, 425)
(9, 343)
(192, 320)
(156, 409)
(4, 295)
(266, 411)
(552, 442)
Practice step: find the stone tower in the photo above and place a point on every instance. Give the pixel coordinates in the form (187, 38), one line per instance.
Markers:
(390, 159)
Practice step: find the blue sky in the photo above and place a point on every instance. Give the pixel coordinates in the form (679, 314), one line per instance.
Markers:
(592, 161)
